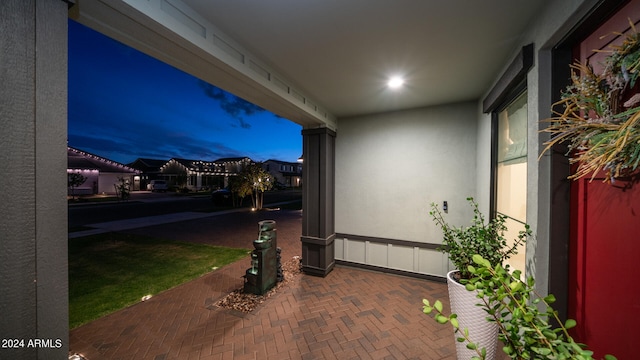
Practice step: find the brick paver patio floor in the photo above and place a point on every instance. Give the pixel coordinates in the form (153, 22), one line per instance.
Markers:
(350, 314)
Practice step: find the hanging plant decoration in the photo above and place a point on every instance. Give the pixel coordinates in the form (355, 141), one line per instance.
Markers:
(602, 129)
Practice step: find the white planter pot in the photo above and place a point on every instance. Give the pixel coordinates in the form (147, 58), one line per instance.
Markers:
(472, 317)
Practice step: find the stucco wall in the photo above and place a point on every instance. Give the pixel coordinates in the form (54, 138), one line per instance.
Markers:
(549, 28)
(389, 169)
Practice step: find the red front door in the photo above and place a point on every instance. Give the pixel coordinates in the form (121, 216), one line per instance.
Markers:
(604, 296)
(605, 258)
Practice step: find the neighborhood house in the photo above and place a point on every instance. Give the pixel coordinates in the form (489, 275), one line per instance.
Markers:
(102, 175)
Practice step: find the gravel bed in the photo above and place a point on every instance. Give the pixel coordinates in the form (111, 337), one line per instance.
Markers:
(246, 303)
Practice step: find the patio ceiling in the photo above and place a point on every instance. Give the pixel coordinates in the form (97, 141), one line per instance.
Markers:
(340, 54)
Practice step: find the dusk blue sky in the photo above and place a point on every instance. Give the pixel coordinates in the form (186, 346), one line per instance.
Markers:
(125, 105)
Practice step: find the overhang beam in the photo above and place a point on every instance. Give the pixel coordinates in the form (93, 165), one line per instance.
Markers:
(171, 32)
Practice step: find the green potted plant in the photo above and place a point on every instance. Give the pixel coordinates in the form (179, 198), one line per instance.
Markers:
(525, 319)
(486, 238)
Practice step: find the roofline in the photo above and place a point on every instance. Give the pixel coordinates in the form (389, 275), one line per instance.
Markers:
(100, 158)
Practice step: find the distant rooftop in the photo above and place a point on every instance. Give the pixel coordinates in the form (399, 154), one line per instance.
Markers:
(81, 160)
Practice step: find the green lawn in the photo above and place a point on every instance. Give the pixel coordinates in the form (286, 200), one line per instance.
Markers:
(108, 272)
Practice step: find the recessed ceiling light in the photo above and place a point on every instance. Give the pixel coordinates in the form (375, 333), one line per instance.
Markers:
(395, 82)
